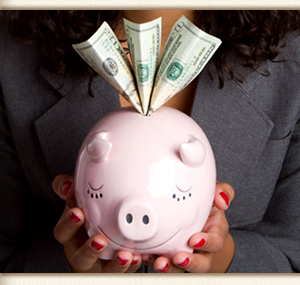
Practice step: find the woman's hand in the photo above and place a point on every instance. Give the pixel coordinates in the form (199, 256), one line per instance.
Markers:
(213, 247)
(82, 252)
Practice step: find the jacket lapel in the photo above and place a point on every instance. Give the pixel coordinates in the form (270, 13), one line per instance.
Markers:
(236, 128)
(63, 84)
(238, 132)
(63, 127)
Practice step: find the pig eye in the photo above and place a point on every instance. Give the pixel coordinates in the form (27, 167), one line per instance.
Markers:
(95, 189)
(183, 195)
(183, 190)
(95, 195)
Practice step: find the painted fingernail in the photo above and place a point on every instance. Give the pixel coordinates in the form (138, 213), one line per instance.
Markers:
(96, 246)
(122, 261)
(134, 261)
(184, 263)
(200, 243)
(147, 260)
(165, 268)
(74, 218)
(225, 197)
(65, 188)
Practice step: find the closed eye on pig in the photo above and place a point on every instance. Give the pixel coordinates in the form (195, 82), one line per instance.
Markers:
(95, 195)
(95, 189)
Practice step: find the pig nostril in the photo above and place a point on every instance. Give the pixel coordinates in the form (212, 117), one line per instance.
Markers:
(146, 220)
(129, 218)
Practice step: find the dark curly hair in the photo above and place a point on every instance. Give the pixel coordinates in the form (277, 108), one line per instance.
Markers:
(254, 36)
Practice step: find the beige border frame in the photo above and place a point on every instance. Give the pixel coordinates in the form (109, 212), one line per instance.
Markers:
(148, 279)
(158, 279)
(151, 4)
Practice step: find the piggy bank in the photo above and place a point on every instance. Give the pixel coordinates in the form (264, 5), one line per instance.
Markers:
(146, 183)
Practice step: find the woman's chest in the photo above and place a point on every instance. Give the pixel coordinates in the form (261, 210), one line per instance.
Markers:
(183, 101)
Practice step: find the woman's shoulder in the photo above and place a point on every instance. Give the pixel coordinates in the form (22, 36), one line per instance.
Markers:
(14, 54)
(5, 37)
(291, 48)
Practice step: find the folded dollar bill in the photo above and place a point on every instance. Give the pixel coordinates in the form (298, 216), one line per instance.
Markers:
(147, 84)
(144, 47)
(104, 53)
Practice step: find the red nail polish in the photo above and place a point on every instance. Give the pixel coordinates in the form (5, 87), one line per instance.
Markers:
(200, 243)
(147, 260)
(96, 246)
(185, 263)
(134, 261)
(74, 218)
(64, 189)
(225, 197)
(122, 261)
(165, 268)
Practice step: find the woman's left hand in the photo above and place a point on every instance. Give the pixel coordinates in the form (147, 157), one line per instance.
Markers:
(213, 247)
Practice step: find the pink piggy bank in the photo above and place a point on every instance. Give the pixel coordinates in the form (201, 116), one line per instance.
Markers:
(146, 183)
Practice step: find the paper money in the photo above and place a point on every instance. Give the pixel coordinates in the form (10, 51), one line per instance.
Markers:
(187, 51)
(144, 42)
(104, 53)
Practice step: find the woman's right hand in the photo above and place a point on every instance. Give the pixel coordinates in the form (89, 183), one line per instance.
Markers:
(82, 252)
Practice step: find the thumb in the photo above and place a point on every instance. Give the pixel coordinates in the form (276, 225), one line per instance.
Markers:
(224, 194)
(63, 186)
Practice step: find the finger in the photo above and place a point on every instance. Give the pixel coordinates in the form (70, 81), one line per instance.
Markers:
(136, 263)
(88, 254)
(224, 195)
(212, 237)
(148, 259)
(68, 225)
(193, 262)
(120, 263)
(164, 265)
(63, 186)
(161, 264)
(209, 242)
(216, 221)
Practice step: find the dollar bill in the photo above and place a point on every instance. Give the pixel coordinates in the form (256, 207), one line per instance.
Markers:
(104, 53)
(187, 51)
(144, 41)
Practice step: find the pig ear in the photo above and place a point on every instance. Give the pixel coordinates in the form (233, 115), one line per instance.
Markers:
(99, 147)
(192, 153)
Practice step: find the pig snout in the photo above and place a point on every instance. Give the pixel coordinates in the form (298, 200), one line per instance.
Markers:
(137, 220)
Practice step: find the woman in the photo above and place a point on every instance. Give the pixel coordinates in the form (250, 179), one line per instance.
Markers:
(246, 100)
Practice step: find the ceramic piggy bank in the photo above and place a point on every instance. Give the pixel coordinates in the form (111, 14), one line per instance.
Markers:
(146, 183)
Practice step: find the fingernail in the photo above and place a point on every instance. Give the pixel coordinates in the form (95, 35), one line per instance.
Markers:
(122, 261)
(66, 186)
(200, 243)
(184, 263)
(96, 246)
(134, 261)
(74, 218)
(165, 268)
(147, 260)
(225, 197)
